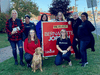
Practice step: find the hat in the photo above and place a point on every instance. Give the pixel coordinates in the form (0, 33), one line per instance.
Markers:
(84, 13)
(27, 16)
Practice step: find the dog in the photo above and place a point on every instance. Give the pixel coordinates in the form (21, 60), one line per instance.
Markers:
(37, 60)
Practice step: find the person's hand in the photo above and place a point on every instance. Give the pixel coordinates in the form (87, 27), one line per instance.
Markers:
(13, 32)
(69, 22)
(76, 39)
(65, 20)
(17, 29)
(64, 52)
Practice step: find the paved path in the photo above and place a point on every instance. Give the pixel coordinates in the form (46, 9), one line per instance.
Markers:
(6, 53)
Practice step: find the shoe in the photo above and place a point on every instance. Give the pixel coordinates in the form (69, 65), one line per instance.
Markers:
(70, 63)
(16, 62)
(29, 65)
(86, 63)
(83, 65)
(21, 63)
(80, 62)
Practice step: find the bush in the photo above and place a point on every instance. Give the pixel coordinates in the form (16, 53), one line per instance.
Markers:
(3, 19)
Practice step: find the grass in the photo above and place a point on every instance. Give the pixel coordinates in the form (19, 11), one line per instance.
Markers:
(93, 68)
(4, 41)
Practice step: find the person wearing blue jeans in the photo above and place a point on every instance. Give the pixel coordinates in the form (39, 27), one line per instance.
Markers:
(83, 47)
(14, 49)
(84, 34)
(60, 57)
(63, 45)
(14, 29)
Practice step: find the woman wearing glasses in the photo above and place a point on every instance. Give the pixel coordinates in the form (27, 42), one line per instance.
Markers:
(86, 37)
(30, 44)
(63, 45)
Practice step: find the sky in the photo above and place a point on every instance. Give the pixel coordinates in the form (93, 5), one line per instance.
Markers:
(81, 4)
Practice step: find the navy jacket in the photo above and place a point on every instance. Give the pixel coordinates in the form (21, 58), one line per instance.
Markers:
(39, 30)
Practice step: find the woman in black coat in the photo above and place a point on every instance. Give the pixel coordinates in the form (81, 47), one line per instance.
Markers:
(84, 34)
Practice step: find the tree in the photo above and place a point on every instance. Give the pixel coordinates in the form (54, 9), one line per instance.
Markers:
(24, 7)
(60, 6)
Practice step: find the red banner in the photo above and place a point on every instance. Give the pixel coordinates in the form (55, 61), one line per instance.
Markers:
(51, 31)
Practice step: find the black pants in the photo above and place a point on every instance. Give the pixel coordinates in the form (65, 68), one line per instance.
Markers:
(28, 57)
(76, 50)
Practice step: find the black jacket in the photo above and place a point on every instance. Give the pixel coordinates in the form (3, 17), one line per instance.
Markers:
(75, 25)
(85, 29)
(85, 33)
(28, 27)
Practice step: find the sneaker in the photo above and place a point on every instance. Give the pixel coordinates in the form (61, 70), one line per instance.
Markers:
(29, 65)
(70, 63)
(80, 62)
(83, 65)
(21, 63)
(86, 63)
(16, 62)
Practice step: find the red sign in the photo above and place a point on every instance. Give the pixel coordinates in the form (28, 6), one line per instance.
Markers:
(51, 31)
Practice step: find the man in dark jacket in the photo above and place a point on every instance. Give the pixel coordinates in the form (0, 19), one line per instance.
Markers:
(28, 25)
(76, 21)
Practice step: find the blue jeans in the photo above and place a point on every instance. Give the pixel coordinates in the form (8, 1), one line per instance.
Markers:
(83, 46)
(28, 57)
(59, 58)
(14, 49)
(76, 50)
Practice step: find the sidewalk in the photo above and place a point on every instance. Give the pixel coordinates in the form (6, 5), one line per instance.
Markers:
(6, 53)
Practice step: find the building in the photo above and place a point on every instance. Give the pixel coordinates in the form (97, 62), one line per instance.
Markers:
(4, 6)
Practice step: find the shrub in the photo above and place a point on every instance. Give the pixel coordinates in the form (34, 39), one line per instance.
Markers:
(3, 19)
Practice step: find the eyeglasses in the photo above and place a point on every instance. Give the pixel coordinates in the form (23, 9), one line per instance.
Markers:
(32, 32)
(82, 16)
(63, 32)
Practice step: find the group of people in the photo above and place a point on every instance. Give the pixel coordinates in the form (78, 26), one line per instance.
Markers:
(83, 37)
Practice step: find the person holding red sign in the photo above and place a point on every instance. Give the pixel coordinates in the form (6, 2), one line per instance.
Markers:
(30, 44)
(76, 22)
(44, 17)
(63, 45)
(60, 17)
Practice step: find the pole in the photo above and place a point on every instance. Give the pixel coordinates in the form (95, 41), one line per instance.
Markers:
(94, 19)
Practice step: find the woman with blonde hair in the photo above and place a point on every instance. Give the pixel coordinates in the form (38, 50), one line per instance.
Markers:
(30, 44)
(14, 29)
(60, 17)
(63, 45)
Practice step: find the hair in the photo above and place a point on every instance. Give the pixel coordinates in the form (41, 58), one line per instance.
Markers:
(46, 17)
(27, 16)
(63, 18)
(75, 13)
(84, 13)
(65, 34)
(14, 11)
(35, 37)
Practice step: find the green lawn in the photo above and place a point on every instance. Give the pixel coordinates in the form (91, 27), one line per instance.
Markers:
(4, 41)
(93, 68)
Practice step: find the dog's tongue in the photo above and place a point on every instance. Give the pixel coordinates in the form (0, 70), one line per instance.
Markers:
(37, 54)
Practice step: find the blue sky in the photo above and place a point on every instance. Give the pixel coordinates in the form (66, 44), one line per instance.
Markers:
(82, 4)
